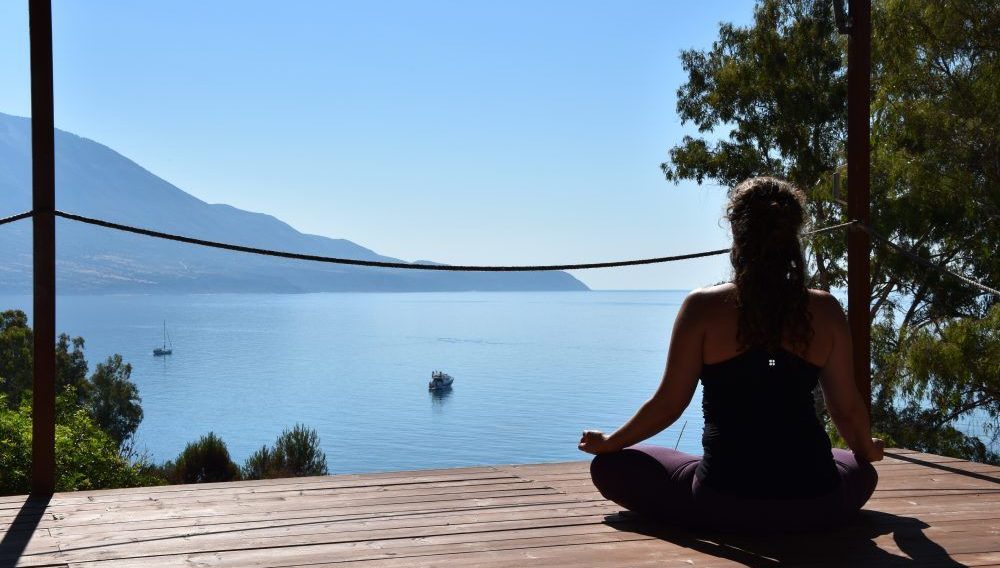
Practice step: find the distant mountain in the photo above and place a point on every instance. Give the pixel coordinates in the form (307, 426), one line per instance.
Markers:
(95, 181)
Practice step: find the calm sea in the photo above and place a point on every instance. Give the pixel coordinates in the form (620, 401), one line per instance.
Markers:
(531, 370)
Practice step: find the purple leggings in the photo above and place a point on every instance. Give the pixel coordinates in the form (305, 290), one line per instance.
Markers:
(659, 482)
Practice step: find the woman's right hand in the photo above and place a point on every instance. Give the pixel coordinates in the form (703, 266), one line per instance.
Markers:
(595, 442)
(876, 452)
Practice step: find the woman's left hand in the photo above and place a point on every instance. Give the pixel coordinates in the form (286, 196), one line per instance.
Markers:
(595, 442)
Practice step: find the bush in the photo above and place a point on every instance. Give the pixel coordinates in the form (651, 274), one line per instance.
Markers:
(204, 461)
(16, 342)
(296, 453)
(261, 465)
(109, 394)
(86, 457)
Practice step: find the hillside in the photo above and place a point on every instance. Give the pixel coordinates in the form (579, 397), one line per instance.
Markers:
(96, 181)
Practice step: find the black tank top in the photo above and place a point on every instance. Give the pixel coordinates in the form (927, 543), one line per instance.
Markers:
(762, 437)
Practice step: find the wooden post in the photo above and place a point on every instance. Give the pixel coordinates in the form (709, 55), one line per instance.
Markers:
(43, 462)
(858, 191)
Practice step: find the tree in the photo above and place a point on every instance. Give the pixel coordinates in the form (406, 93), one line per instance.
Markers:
(15, 356)
(777, 92)
(296, 453)
(204, 461)
(781, 87)
(71, 368)
(86, 457)
(109, 394)
(114, 401)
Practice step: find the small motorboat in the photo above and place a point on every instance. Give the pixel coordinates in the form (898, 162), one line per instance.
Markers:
(440, 380)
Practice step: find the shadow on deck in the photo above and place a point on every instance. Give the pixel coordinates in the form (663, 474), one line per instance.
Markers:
(927, 511)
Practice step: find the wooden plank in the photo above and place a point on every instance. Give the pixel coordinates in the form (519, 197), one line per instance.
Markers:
(249, 499)
(348, 508)
(409, 527)
(320, 493)
(336, 503)
(301, 482)
(440, 551)
(315, 556)
(258, 518)
(346, 524)
(275, 537)
(38, 542)
(248, 551)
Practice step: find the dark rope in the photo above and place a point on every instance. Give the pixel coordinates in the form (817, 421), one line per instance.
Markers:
(923, 261)
(377, 263)
(17, 217)
(404, 265)
(382, 264)
(461, 268)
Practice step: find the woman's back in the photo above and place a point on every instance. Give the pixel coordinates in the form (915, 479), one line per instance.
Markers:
(721, 314)
(760, 400)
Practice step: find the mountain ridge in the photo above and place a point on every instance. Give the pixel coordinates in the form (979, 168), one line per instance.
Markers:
(96, 181)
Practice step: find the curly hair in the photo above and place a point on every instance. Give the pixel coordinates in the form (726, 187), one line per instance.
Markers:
(766, 215)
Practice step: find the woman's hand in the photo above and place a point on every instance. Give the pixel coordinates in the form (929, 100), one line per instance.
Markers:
(594, 442)
(879, 452)
(875, 452)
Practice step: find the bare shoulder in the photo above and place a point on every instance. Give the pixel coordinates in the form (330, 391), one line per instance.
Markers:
(712, 298)
(825, 306)
(717, 293)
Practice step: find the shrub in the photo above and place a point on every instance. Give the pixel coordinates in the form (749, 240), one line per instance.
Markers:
(296, 453)
(86, 456)
(204, 461)
(261, 465)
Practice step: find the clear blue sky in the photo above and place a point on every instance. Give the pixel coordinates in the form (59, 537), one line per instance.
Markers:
(462, 132)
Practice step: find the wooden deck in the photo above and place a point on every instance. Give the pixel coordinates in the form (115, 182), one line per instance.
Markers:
(927, 511)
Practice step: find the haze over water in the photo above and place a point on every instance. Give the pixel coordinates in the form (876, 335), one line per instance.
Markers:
(531, 370)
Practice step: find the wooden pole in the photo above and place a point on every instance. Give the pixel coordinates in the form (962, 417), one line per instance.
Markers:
(43, 462)
(858, 191)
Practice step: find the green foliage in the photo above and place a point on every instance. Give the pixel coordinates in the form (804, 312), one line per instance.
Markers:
(261, 464)
(780, 83)
(777, 90)
(71, 368)
(109, 394)
(15, 356)
(943, 373)
(15, 449)
(204, 461)
(296, 453)
(115, 402)
(86, 457)
(95, 417)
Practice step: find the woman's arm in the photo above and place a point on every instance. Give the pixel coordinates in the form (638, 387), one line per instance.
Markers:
(843, 401)
(684, 359)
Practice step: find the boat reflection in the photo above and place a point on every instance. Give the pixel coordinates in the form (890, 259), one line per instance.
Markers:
(439, 395)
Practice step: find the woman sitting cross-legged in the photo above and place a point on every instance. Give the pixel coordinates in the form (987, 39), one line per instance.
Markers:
(759, 345)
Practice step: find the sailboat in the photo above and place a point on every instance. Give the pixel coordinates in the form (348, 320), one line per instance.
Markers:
(167, 347)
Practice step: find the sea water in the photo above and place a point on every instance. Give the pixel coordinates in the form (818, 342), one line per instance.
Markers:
(532, 370)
